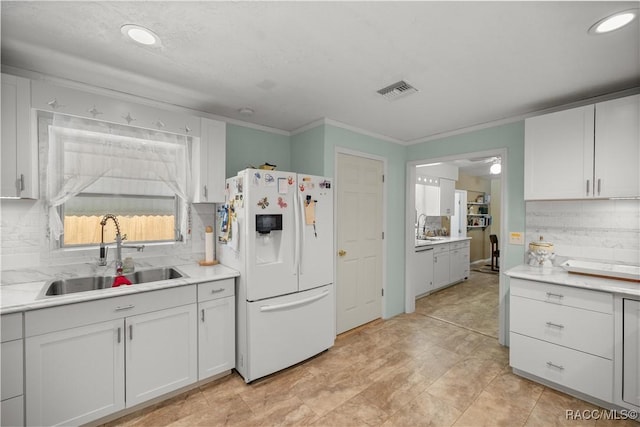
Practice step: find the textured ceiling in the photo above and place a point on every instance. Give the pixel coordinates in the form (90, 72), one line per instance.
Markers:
(297, 62)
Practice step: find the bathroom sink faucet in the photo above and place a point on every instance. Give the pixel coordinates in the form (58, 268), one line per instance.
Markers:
(119, 246)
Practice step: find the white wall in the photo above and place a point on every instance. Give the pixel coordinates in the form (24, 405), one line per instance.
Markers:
(606, 230)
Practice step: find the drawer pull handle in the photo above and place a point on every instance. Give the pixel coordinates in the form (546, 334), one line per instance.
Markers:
(550, 294)
(215, 291)
(555, 325)
(553, 365)
(125, 307)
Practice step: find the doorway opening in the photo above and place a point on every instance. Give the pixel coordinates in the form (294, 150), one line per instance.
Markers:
(480, 197)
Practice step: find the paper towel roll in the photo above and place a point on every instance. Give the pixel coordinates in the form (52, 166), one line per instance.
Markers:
(208, 244)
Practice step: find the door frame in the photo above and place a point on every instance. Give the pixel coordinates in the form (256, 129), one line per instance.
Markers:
(410, 302)
(343, 150)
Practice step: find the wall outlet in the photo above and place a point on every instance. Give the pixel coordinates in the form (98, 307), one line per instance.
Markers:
(516, 238)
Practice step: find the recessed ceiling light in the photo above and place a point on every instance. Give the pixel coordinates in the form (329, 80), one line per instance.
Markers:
(140, 34)
(613, 22)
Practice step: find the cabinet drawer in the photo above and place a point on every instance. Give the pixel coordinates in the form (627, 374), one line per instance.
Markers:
(459, 245)
(11, 327)
(441, 248)
(217, 289)
(72, 315)
(573, 369)
(12, 412)
(563, 295)
(11, 370)
(588, 331)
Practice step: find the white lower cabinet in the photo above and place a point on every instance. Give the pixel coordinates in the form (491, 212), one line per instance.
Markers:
(88, 360)
(75, 375)
(441, 266)
(423, 272)
(161, 352)
(216, 328)
(576, 370)
(563, 335)
(11, 374)
(459, 261)
(631, 352)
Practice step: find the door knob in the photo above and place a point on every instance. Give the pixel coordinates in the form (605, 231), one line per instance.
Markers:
(342, 252)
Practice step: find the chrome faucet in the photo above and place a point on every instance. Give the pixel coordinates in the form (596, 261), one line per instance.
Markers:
(418, 225)
(119, 245)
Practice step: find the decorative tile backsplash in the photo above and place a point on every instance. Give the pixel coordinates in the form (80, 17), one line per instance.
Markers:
(607, 230)
(24, 242)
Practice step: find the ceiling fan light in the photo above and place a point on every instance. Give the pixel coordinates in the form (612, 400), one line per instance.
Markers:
(613, 22)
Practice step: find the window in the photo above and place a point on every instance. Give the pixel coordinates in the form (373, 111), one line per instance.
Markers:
(141, 218)
(95, 168)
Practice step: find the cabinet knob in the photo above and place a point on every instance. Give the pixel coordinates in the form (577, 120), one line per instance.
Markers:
(342, 252)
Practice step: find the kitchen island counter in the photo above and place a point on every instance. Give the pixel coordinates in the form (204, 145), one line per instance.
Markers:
(21, 290)
(559, 276)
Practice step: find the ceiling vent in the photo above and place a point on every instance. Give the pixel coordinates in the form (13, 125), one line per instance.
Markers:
(397, 90)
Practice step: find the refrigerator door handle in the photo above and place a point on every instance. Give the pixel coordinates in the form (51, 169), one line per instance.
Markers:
(283, 306)
(296, 254)
(301, 222)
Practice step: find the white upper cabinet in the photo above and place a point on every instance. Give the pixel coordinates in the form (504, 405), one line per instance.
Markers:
(447, 196)
(209, 162)
(436, 197)
(19, 146)
(585, 152)
(617, 148)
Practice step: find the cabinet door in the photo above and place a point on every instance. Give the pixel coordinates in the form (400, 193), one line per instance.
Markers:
(617, 148)
(631, 352)
(210, 162)
(11, 362)
(456, 271)
(558, 155)
(76, 375)
(12, 412)
(216, 337)
(161, 353)
(431, 200)
(447, 196)
(420, 202)
(441, 273)
(19, 152)
(424, 272)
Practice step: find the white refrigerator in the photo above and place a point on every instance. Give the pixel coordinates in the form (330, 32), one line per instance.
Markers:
(276, 228)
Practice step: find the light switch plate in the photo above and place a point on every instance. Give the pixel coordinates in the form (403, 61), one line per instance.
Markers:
(516, 238)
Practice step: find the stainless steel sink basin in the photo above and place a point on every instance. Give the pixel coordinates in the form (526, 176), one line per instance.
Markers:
(91, 283)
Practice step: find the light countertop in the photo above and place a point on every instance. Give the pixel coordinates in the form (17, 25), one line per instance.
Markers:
(559, 276)
(21, 289)
(421, 243)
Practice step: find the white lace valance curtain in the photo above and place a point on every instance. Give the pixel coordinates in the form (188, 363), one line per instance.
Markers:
(92, 156)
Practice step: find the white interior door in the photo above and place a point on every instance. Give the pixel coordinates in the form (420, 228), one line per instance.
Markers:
(359, 237)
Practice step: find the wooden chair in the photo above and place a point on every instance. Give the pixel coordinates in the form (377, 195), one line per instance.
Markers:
(495, 252)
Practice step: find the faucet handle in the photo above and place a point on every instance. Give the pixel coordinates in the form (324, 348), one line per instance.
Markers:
(124, 237)
(104, 250)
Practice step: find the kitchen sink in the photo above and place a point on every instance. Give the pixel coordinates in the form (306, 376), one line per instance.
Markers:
(91, 283)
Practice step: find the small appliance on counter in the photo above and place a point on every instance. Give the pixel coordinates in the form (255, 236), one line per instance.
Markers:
(541, 253)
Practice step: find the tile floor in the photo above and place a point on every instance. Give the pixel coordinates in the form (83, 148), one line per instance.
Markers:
(418, 369)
